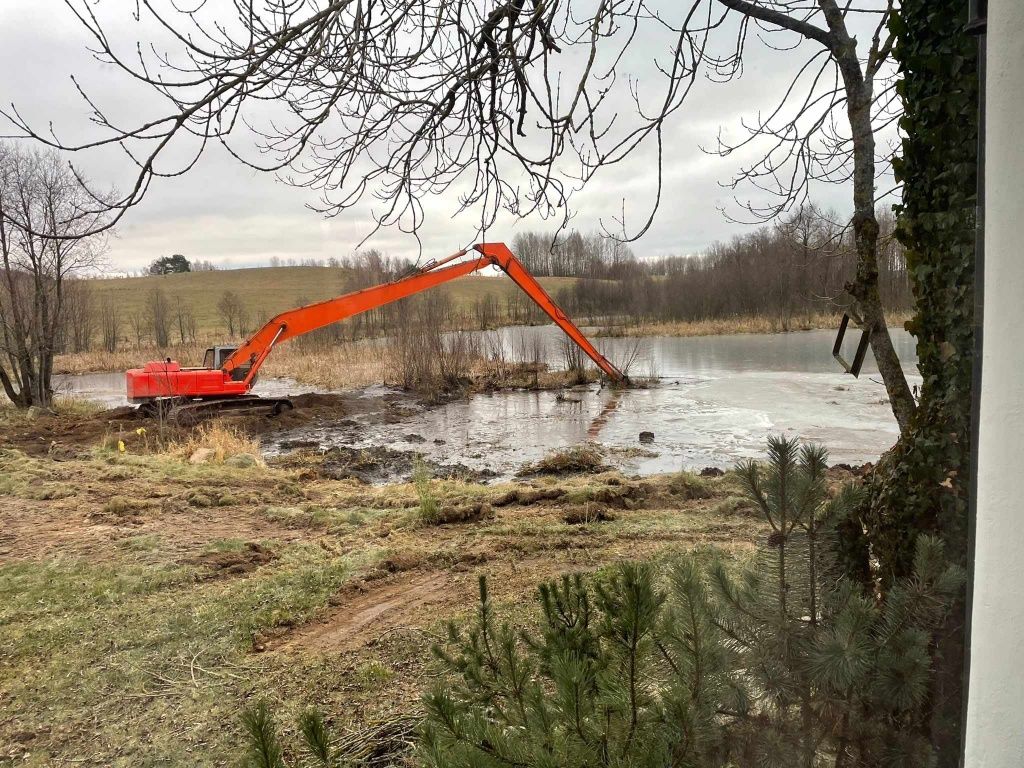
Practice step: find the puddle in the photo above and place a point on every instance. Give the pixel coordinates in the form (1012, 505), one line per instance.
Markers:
(716, 401)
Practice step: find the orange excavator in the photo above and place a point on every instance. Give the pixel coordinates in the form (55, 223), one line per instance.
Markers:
(226, 379)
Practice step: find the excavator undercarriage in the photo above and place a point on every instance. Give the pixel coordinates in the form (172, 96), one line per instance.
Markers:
(224, 383)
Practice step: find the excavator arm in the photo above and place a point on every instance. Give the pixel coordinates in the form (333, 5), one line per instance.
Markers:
(502, 257)
(245, 362)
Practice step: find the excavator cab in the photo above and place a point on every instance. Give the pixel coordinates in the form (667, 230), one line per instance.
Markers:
(215, 356)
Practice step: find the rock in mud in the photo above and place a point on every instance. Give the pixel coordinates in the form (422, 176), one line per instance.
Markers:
(202, 456)
(242, 461)
(646, 437)
(711, 472)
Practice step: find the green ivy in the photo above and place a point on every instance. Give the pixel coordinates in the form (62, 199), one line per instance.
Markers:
(922, 485)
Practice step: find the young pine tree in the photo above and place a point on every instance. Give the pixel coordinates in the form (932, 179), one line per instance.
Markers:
(776, 662)
(705, 663)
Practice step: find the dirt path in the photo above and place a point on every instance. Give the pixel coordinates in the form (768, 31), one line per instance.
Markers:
(364, 615)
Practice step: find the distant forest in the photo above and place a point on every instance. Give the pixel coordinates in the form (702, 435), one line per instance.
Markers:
(794, 268)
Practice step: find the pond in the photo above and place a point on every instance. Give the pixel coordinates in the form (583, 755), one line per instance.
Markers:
(715, 400)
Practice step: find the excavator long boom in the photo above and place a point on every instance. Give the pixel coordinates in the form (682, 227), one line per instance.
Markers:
(248, 358)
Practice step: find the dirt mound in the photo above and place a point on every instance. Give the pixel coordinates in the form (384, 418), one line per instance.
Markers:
(251, 557)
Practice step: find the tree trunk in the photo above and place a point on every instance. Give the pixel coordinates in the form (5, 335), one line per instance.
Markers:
(864, 288)
(12, 393)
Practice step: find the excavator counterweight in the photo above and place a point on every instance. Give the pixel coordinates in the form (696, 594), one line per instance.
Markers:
(228, 374)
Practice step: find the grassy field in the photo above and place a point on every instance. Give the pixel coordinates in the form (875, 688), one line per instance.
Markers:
(270, 290)
(144, 600)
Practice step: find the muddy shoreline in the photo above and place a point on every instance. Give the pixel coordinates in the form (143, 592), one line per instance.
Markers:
(379, 435)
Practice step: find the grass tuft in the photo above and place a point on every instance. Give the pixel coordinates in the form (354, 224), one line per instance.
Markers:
(430, 508)
(222, 440)
(576, 459)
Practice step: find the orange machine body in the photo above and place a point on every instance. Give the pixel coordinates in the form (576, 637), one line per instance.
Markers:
(237, 374)
(159, 379)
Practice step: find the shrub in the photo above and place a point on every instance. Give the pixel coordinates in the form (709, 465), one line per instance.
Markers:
(430, 508)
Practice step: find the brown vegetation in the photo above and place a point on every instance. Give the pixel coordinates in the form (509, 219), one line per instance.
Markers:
(173, 587)
(734, 325)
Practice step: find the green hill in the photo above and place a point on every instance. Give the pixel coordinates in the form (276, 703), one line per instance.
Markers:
(270, 290)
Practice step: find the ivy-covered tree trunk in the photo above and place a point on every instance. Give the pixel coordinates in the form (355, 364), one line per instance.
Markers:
(922, 484)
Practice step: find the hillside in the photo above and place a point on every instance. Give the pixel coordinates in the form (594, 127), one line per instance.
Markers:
(269, 290)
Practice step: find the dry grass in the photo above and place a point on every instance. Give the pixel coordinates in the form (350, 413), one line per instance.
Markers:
(141, 594)
(732, 325)
(586, 458)
(65, 406)
(349, 365)
(225, 440)
(123, 359)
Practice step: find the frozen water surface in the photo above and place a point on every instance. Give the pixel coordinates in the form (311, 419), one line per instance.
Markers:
(716, 400)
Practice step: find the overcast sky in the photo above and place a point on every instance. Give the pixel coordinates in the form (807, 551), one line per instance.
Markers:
(233, 216)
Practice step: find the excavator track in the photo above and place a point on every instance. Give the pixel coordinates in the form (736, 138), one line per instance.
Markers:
(196, 410)
(188, 412)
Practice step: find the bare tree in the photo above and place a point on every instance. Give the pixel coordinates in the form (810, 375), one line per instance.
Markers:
(824, 129)
(158, 317)
(78, 324)
(45, 218)
(517, 104)
(186, 320)
(231, 311)
(139, 323)
(110, 322)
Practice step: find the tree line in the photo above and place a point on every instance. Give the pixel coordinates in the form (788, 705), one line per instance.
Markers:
(800, 266)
